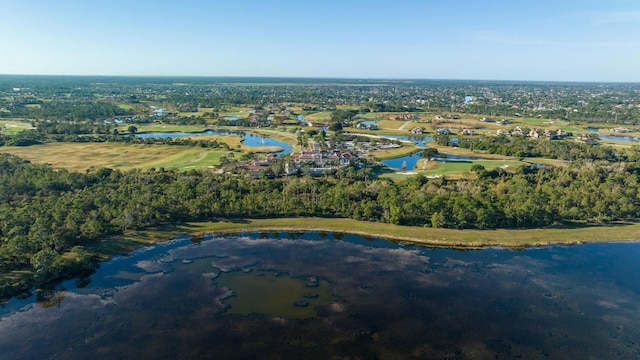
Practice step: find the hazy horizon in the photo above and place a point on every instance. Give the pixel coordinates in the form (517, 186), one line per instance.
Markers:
(499, 40)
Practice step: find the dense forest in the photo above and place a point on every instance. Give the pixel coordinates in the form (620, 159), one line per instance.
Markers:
(46, 215)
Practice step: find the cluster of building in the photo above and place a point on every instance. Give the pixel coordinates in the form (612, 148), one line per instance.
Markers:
(315, 161)
(535, 133)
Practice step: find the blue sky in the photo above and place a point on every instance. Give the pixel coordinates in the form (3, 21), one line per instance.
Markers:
(548, 40)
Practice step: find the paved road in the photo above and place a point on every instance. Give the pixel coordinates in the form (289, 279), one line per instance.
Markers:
(403, 125)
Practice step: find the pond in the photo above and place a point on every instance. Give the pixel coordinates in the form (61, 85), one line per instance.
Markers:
(411, 160)
(327, 295)
(418, 140)
(618, 138)
(404, 162)
(369, 122)
(249, 139)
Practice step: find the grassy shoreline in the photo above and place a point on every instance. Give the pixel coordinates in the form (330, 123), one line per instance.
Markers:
(507, 238)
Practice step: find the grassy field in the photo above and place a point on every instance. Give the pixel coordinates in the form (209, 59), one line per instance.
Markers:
(320, 116)
(394, 153)
(420, 235)
(458, 167)
(163, 128)
(241, 112)
(397, 124)
(82, 156)
(10, 127)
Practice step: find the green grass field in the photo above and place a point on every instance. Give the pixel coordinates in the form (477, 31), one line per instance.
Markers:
(321, 116)
(82, 156)
(394, 153)
(10, 127)
(458, 167)
(397, 124)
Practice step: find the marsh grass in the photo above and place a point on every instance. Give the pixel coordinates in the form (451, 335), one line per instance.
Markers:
(575, 234)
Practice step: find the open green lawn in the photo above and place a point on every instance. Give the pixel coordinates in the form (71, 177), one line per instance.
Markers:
(551, 124)
(394, 153)
(536, 122)
(321, 116)
(81, 156)
(12, 127)
(238, 111)
(453, 169)
(398, 124)
(458, 167)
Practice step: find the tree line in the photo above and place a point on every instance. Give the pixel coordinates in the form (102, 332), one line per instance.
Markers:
(520, 146)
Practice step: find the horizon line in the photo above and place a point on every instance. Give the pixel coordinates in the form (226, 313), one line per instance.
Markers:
(324, 78)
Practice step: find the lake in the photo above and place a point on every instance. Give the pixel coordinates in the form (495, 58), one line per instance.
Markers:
(249, 139)
(320, 295)
(411, 160)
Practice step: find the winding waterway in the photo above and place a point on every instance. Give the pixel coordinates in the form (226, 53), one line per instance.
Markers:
(322, 295)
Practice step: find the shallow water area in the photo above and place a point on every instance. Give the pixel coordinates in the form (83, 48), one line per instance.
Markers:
(274, 294)
(619, 138)
(320, 295)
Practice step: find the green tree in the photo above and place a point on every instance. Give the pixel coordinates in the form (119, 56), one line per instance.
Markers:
(46, 264)
(429, 153)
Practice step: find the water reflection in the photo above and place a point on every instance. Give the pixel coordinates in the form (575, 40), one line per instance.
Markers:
(618, 138)
(248, 138)
(323, 295)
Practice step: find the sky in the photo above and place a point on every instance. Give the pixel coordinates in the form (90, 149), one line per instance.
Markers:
(538, 40)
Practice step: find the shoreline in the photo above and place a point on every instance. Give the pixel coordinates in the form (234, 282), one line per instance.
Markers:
(16, 282)
(426, 236)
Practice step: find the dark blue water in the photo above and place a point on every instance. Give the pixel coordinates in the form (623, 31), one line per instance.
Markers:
(387, 300)
(410, 161)
(256, 140)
